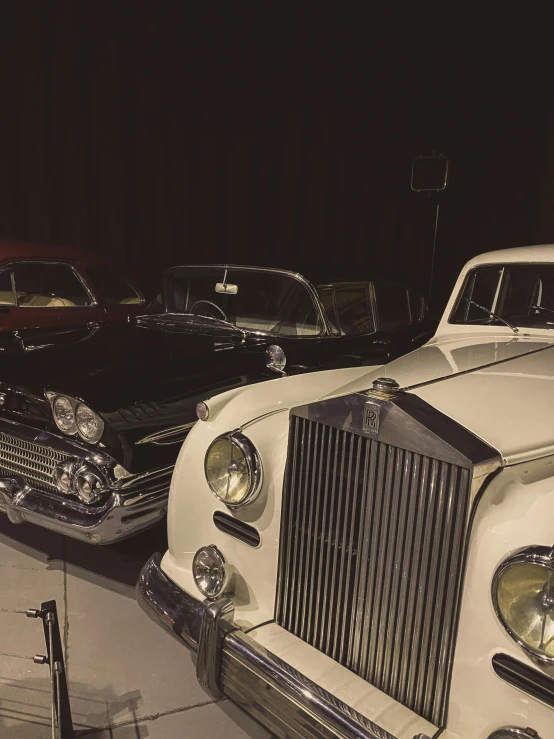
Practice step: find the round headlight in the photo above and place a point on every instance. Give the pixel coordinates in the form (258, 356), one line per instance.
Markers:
(63, 476)
(233, 469)
(64, 414)
(523, 595)
(89, 423)
(88, 485)
(210, 571)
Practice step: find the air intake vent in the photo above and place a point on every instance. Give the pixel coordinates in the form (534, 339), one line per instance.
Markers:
(236, 528)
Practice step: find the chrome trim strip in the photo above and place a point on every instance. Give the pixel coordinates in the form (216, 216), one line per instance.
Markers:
(475, 369)
(173, 435)
(270, 689)
(534, 555)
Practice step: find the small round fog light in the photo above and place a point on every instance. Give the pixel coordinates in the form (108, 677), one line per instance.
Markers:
(63, 476)
(210, 571)
(202, 411)
(88, 485)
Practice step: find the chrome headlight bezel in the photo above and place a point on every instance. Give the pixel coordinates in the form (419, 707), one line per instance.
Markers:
(75, 429)
(253, 465)
(92, 439)
(56, 398)
(211, 551)
(536, 555)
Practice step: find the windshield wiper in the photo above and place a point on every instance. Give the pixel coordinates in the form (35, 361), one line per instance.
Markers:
(493, 315)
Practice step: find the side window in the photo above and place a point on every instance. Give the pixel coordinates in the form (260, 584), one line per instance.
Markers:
(7, 296)
(328, 302)
(392, 306)
(481, 286)
(48, 285)
(353, 310)
(113, 288)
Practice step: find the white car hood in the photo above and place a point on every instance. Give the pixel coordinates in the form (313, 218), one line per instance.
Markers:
(499, 388)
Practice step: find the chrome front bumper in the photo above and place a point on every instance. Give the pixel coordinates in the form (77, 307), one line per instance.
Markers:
(126, 512)
(133, 503)
(231, 663)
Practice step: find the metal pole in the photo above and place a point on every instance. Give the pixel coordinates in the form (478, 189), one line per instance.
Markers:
(433, 255)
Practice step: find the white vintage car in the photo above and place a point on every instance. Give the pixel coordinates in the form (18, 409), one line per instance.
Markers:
(369, 552)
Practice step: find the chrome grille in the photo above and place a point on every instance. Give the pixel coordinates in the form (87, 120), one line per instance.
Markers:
(371, 559)
(34, 462)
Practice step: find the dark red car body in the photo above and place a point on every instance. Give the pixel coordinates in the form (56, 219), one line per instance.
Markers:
(106, 293)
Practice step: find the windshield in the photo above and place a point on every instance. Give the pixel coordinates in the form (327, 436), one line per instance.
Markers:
(267, 302)
(519, 294)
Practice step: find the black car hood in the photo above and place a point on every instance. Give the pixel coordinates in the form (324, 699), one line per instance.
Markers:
(110, 369)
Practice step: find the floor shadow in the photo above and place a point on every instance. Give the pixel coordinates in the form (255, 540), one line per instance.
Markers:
(119, 563)
(25, 709)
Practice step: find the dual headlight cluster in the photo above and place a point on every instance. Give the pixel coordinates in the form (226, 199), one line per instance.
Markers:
(76, 477)
(73, 417)
(523, 597)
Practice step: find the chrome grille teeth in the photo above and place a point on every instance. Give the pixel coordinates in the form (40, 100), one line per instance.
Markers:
(372, 552)
(34, 462)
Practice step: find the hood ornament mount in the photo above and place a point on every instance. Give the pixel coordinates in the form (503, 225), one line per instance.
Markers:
(385, 388)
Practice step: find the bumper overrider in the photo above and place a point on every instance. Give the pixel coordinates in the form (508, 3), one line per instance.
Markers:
(28, 491)
(231, 663)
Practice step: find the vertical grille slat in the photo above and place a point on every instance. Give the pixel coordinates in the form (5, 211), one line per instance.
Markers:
(371, 559)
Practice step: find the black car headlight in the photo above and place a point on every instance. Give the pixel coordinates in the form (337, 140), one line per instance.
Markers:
(89, 423)
(523, 597)
(63, 411)
(73, 417)
(233, 469)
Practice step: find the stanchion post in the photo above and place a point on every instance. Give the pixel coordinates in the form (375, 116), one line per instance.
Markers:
(52, 637)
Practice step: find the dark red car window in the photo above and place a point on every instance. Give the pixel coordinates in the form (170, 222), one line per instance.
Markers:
(44, 285)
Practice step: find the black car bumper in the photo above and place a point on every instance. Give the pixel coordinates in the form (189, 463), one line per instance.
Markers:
(231, 663)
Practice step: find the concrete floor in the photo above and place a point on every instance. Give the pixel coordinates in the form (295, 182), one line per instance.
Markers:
(127, 678)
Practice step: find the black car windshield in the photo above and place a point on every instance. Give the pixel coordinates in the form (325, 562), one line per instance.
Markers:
(499, 294)
(250, 300)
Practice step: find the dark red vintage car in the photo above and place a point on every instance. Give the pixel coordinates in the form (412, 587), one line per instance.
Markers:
(53, 287)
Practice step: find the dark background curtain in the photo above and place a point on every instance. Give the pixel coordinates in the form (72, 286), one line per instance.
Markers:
(272, 134)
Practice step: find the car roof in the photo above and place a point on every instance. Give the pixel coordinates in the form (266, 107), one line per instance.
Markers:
(539, 253)
(26, 250)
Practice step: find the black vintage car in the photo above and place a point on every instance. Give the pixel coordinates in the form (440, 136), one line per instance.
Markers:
(92, 419)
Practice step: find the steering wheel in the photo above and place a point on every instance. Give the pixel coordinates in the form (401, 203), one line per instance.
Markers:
(213, 305)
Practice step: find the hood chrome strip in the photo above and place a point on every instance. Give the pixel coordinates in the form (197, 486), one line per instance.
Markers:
(475, 369)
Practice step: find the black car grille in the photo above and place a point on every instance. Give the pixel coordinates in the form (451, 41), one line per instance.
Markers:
(371, 559)
(34, 462)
